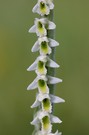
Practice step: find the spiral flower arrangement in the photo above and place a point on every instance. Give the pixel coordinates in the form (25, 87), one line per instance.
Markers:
(45, 99)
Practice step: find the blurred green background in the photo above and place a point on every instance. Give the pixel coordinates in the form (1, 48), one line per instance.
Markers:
(72, 20)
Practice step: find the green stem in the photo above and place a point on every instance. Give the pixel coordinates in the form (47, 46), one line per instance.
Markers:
(51, 34)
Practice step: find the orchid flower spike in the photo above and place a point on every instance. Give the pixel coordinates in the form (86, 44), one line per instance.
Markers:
(44, 66)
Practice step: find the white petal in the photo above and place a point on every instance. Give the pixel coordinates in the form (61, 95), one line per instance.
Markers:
(53, 80)
(43, 58)
(51, 6)
(35, 8)
(33, 66)
(43, 39)
(56, 99)
(36, 20)
(42, 114)
(43, 77)
(43, 96)
(35, 121)
(43, 20)
(52, 64)
(32, 29)
(35, 47)
(55, 119)
(53, 43)
(51, 25)
(33, 85)
(35, 104)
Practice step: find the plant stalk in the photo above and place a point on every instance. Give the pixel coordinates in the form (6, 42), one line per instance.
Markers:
(51, 34)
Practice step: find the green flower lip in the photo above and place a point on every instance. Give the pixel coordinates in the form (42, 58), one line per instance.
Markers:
(46, 105)
(40, 64)
(46, 122)
(44, 48)
(42, 5)
(41, 83)
(40, 25)
(46, 102)
(44, 44)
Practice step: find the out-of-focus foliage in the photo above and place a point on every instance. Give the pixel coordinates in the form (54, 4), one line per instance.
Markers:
(72, 19)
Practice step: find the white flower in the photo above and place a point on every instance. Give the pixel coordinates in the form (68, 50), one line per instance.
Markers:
(43, 7)
(40, 65)
(44, 45)
(46, 121)
(41, 25)
(41, 82)
(46, 100)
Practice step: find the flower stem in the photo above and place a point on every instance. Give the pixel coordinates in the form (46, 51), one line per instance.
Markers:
(51, 34)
